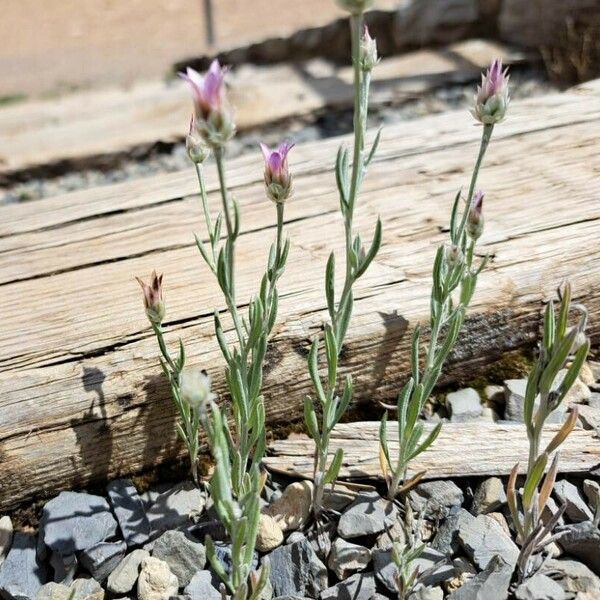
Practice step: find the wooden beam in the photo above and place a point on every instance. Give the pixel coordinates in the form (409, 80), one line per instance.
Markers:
(82, 397)
(461, 450)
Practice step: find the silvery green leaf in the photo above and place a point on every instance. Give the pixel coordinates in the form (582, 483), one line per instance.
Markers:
(273, 311)
(236, 218)
(373, 250)
(533, 480)
(453, 219)
(332, 355)
(383, 440)
(216, 234)
(334, 467)
(563, 317)
(573, 371)
(344, 315)
(205, 256)
(549, 326)
(414, 354)
(435, 432)
(215, 563)
(404, 398)
(341, 176)
(374, 147)
(560, 353)
(330, 284)
(310, 419)
(346, 398)
(313, 368)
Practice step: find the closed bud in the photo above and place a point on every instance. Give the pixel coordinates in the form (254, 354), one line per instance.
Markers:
(368, 51)
(194, 388)
(492, 98)
(278, 180)
(355, 7)
(475, 217)
(196, 149)
(153, 298)
(454, 256)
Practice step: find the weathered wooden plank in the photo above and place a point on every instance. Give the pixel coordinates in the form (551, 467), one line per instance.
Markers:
(81, 394)
(95, 124)
(461, 450)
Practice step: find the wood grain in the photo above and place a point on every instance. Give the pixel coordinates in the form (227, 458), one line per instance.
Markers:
(461, 450)
(81, 393)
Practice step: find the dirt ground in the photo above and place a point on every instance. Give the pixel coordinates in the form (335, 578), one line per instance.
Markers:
(54, 46)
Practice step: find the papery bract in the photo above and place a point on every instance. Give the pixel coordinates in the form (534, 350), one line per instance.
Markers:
(368, 51)
(475, 217)
(194, 387)
(153, 298)
(277, 175)
(492, 98)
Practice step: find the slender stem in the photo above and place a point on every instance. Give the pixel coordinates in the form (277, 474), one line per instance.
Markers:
(486, 136)
(219, 159)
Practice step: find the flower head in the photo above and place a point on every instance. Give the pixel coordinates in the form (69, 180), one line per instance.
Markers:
(454, 256)
(196, 149)
(194, 388)
(492, 98)
(277, 175)
(153, 298)
(475, 216)
(355, 7)
(213, 116)
(368, 51)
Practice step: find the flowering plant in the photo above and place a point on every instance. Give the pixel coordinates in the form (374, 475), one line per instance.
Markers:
(547, 386)
(454, 271)
(349, 179)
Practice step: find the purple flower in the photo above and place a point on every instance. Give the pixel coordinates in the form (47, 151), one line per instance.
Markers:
(492, 98)
(475, 216)
(208, 91)
(213, 116)
(154, 302)
(277, 175)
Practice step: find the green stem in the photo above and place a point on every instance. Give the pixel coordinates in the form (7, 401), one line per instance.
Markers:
(486, 136)
(205, 209)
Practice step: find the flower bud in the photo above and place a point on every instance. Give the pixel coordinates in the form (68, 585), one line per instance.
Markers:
(213, 115)
(368, 51)
(475, 217)
(278, 180)
(355, 7)
(197, 151)
(153, 298)
(492, 98)
(194, 388)
(454, 256)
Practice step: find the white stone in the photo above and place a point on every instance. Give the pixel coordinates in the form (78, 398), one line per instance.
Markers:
(156, 582)
(6, 536)
(464, 405)
(269, 534)
(292, 510)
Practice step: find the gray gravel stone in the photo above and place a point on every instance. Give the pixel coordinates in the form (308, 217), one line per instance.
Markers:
(514, 391)
(22, 574)
(172, 508)
(491, 584)
(360, 586)
(540, 587)
(573, 576)
(577, 510)
(102, 559)
(53, 591)
(582, 540)
(123, 579)
(183, 555)
(64, 567)
(482, 538)
(436, 499)
(367, 515)
(464, 405)
(201, 587)
(346, 558)
(130, 513)
(6, 536)
(75, 521)
(591, 489)
(386, 571)
(427, 593)
(297, 571)
(489, 496)
(446, 538)
(86, 589)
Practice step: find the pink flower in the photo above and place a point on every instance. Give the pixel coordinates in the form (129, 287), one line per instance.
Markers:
(277, 175)
(492, 98)
(213, 116)
(368, 51)
(475, 216)
(153, 298)
(208, 91)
